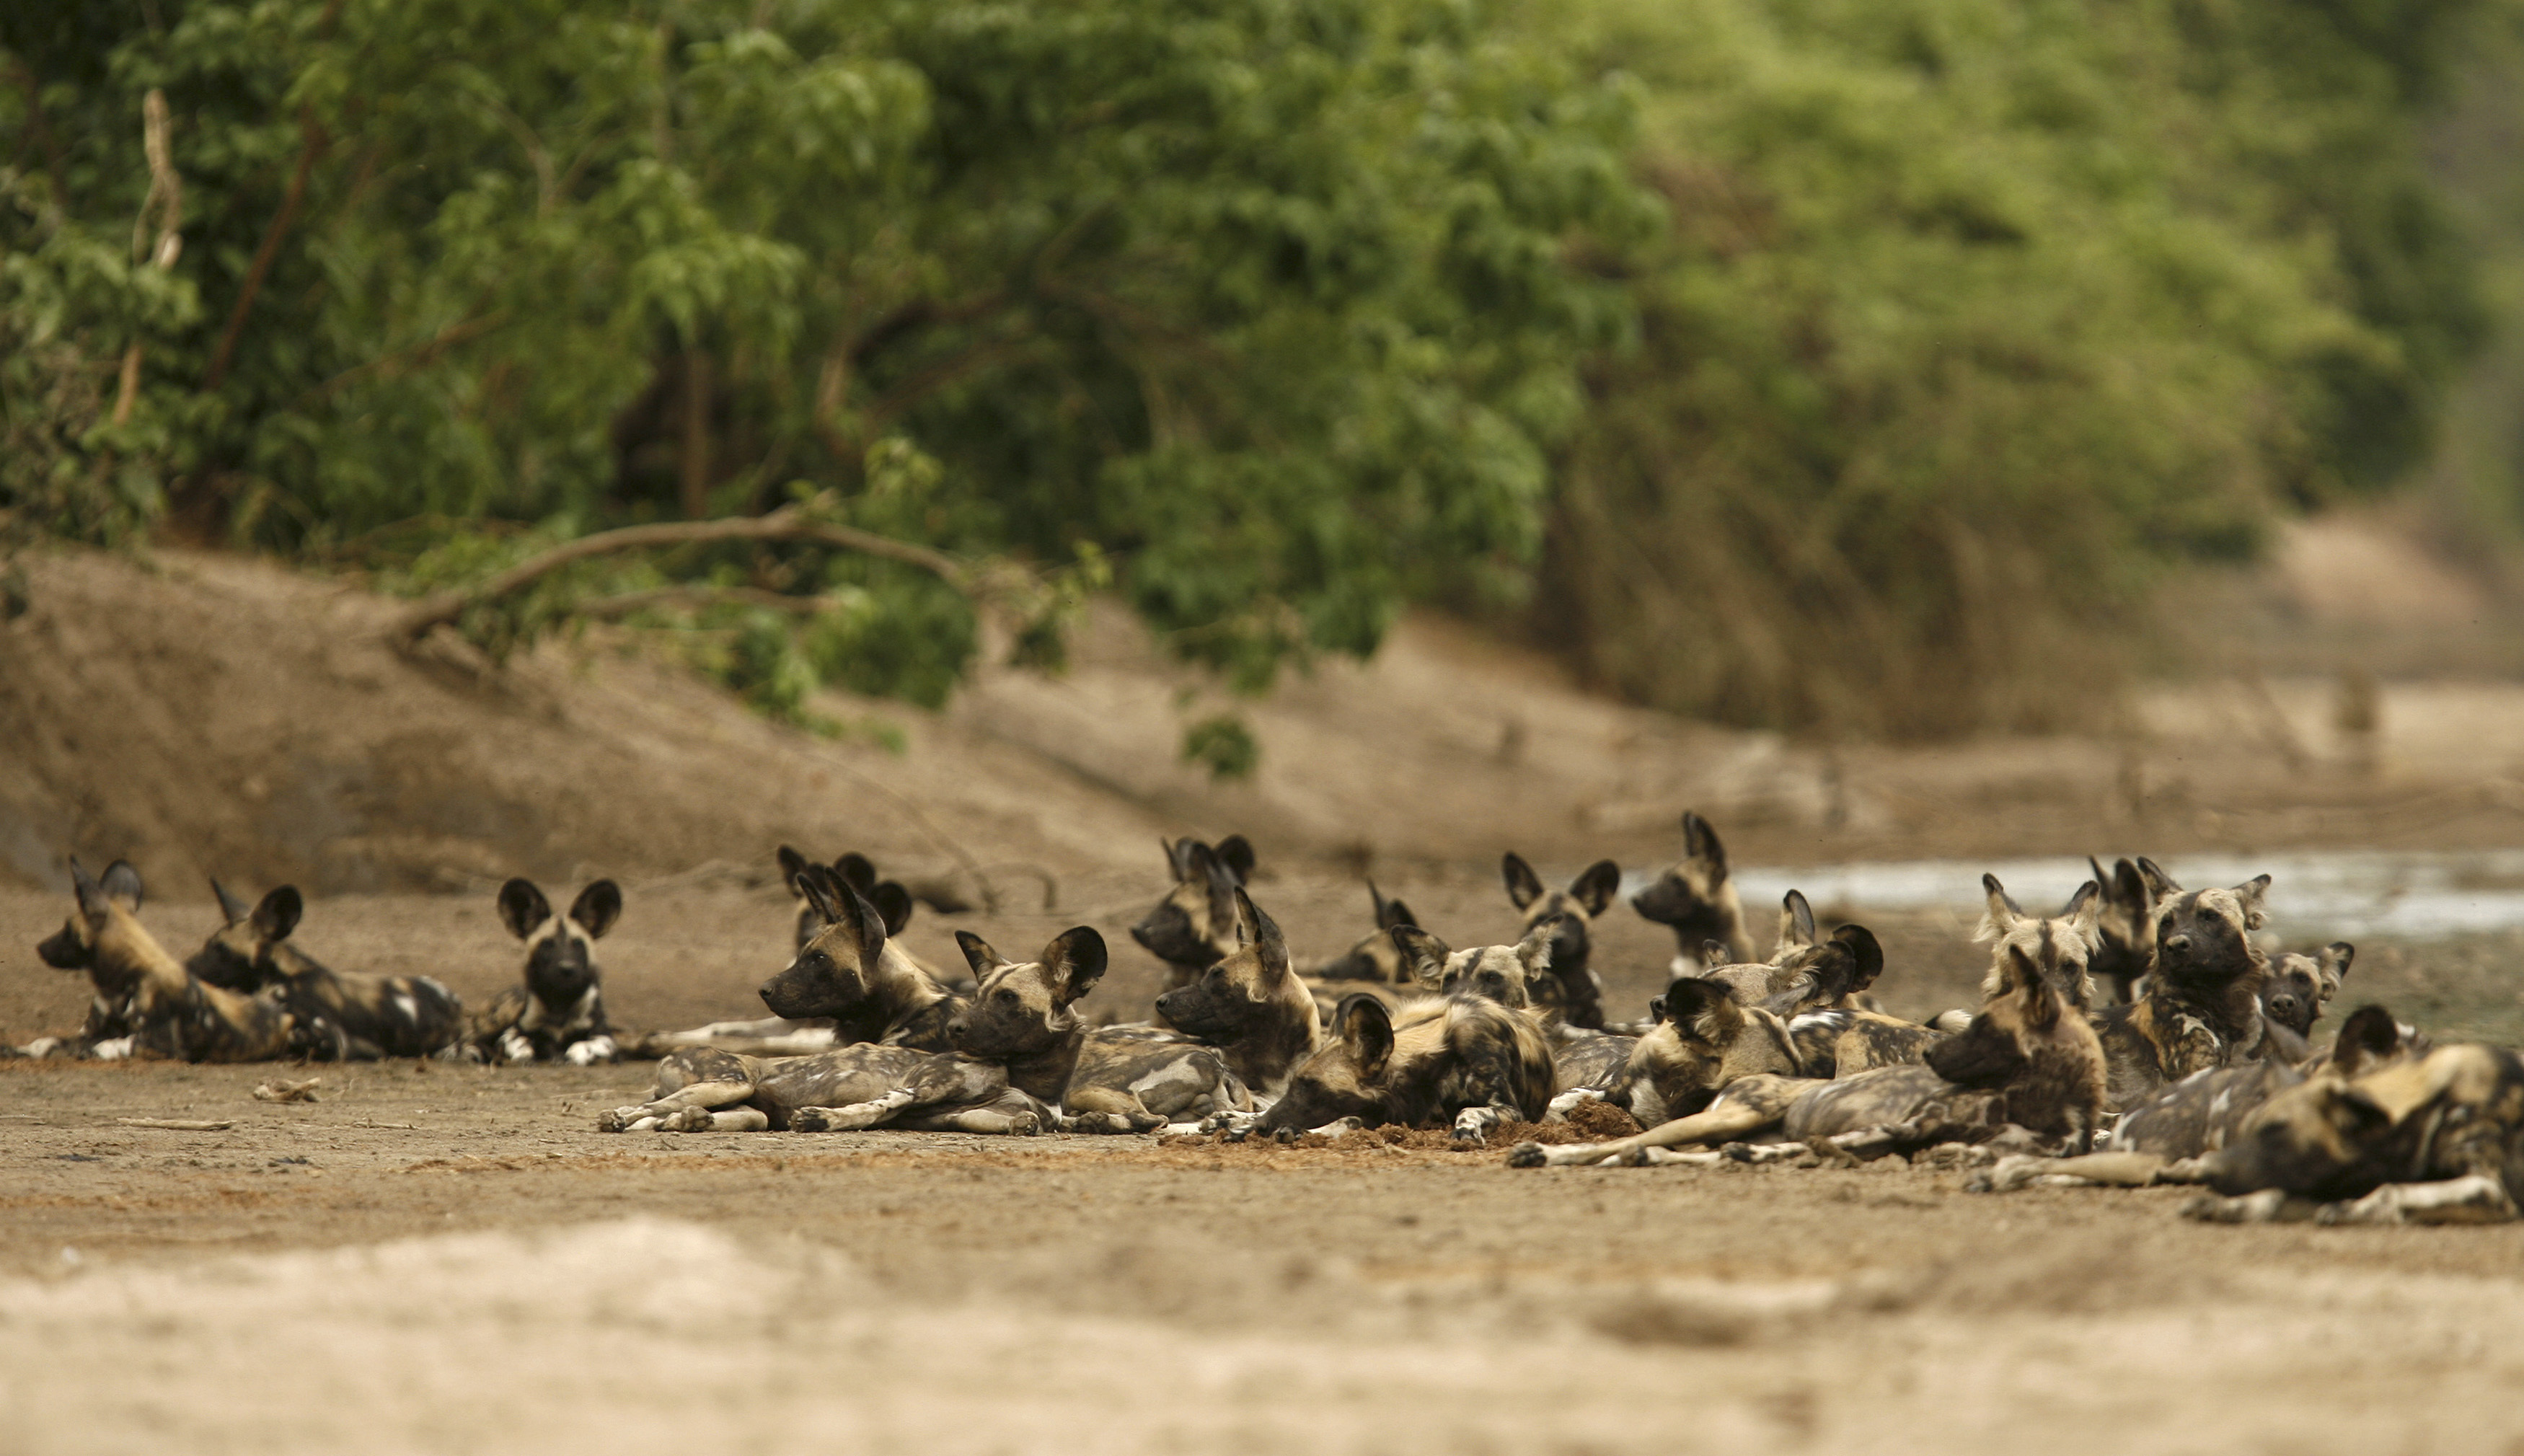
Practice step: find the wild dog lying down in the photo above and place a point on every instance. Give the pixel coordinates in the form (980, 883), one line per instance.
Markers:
(334, 1016)
(1704, 1039)
(1579, 995)
(851, 982)
(1462, 1060)
(2206, 1110)
(169, 1012)
(873, 1084)
(1252, 1009)
(854, 869)
(2027, 1060)
(2438, 1137)
(1805, 973)
(111, 1019)
(2201, 1007)
(559, 1011)
(1698, 900)
(1193, 928)
(1375, 957)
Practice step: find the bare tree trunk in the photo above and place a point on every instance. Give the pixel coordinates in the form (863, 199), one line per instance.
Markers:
(697, 438)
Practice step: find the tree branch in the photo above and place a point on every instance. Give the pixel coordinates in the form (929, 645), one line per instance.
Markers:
(788, 524)
(311, 146)
(703, 595)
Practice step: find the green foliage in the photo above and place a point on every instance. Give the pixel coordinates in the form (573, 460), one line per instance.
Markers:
(1973, 315)
(1223, 745)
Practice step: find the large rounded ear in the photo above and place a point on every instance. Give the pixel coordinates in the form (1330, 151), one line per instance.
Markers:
(1866, 950)
(792, 863)
(2251, 895)
(1595, 886)
(2366, 1038)
(2154, 881)
(1716, 953)
(277, 915)
(1534, 952)
(852, 912)
(2041, 1005)
(2084, 909)
(1796, 922)
(1177, 856)
(1076, 959)
(1656, 1008)
(1267, 939)
(1700, 843)
(1703, 1008)
(1388, 912)
(522, 907)
(231, 908)
(1999, 911)
(1237, 853)
(1222, 891)
(892, 905)
(122, 884)
(1363, 1025)
(1423, 955)
(978, 953)
(2333, 966)
(822, 890)
(856, 871)
(1523, 885)
(597, 907)
(92, 895)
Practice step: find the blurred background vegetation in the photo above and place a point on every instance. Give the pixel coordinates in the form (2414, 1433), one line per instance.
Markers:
(1851, 367)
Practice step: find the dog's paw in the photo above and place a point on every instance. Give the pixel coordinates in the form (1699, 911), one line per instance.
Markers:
(686, 1120)
(619, 1119)
(1527, 1155)
(811, 1120)
(591, 1051)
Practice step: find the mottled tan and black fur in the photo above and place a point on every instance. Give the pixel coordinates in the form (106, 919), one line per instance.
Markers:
(1704, 1039)
(1375, 957)
(1462, 1061)
(854, 869)
(2124, 928)
(1193, 928)
(1252, 1008)
(2200, 1005)
(560, 1010)
(1580, 993)
(2061, 944)
(168, 1012)
(2300, 985)
(1696, 899)
(1806, 974)
(334, 1015)
(107, 1030)
(2206, 1110)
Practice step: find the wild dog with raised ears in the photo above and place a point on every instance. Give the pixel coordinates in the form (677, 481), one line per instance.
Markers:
(2437, 1138)
(1697, 899)
(1193, 928)
(2300, 985)
(1704, 1039)
(2027, 1060)
(854, 869)
(1805, 973)
(871, 1083)
(1375, 957)
(106, 1030)
(1581, 991)
(1252, 1009)
(336, 1016)
(1462, 1060)
(2206, 1110)
(2201, 1006)
(169, 1011)
(852, 982)
(1121, 1079)
(2063, 946)
(2124, 928)
(560, 1010)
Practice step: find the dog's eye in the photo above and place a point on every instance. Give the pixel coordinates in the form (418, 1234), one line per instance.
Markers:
(1006, 997)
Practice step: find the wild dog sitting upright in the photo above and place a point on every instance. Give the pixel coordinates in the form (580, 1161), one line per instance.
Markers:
(2300, 985)
(1697, 899)
(1252, 1008)
(171, 1012)
(2027, 1059)
(559, 1011)
(336, 1016)
(2201, 1004)
(1193, 928)
(1580, 993)
(2061, 946)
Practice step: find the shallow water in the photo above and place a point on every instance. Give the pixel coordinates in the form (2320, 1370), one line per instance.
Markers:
(2313, 894)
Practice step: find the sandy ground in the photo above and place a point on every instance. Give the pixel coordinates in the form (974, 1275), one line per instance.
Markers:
(440, 1258)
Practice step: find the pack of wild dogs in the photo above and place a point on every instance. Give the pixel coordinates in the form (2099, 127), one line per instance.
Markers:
(2141, 1035)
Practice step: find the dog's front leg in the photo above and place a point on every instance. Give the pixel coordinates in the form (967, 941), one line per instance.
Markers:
(2474, 1198)
(1106, 1109)
(852, 1117)
(1724, 1123)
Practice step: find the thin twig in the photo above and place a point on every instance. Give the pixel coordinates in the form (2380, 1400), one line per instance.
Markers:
(704, 595)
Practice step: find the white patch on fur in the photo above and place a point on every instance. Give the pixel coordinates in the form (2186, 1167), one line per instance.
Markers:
(114, 1050)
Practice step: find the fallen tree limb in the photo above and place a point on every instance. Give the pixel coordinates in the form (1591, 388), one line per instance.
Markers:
(788, 524)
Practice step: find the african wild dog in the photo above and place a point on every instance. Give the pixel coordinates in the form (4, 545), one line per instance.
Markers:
(2203, 1111)
(1518, 976)
(1805, 973)
(1193, 928)
(2061, 945)
(1252, 1008)
(872, 1083)
(1696, 899)
(1580, 998)
(2201, 1006)
(2301, 985)
(1460, 1059)
(2027, 1059)
(2124, 928)
(335, 1017)
(107, 1032)
(168, 1012)
(1121, 1079)
(890, 899)
(560, 1010)
(1375, 957)
(2434, 1138)
(1704, 1039)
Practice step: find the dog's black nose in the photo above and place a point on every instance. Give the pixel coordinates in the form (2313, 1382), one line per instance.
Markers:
(2177, 943)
